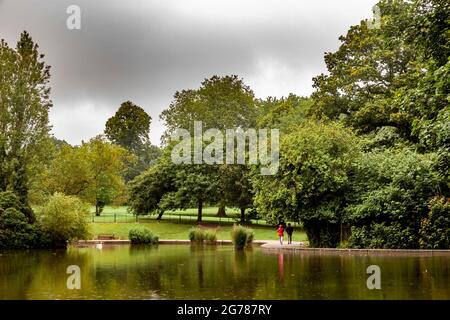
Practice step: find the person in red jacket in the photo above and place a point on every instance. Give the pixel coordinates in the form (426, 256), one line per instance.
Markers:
(280, 233)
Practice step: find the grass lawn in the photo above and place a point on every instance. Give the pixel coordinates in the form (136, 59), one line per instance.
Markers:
(175, 230)
(176, 224)
(209, 214)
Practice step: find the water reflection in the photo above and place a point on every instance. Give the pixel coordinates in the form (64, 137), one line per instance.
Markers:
(216, 272)
(281, 266)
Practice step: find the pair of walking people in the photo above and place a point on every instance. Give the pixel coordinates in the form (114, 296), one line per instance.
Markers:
(289, 230)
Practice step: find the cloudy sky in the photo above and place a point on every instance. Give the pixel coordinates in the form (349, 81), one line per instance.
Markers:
(145, 50)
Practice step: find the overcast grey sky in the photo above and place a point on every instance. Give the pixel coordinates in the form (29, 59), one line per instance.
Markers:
(145, 50)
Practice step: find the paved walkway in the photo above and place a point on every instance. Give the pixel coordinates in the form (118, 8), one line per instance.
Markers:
(299, 247)
(275, 244)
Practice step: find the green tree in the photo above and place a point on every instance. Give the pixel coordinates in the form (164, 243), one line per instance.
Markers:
(284, 113)
(312, 182)
(93, 172)
(195, 186)
(235, 187)
(220, 102)
(107, 164)
(147, 189)
(429, 30)
(367, 71)
(130, 128)
(24, 105)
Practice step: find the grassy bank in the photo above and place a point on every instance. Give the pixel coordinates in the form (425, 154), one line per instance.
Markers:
(176, 224)
(171, 230)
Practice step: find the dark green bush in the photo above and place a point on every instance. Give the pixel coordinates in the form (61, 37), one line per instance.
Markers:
(142, 236)
(389, 199)
(10, 200)
(17, 232)
(241, 236)
(18, 228)
(435, 228)
(382, 236)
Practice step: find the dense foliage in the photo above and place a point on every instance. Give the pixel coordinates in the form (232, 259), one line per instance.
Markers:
(93, 172)
(63, 218)
(312, 182)
(390, 196)
(17, 224)
(130, 128)
(142, 236)
(24, 107)
(368, 151)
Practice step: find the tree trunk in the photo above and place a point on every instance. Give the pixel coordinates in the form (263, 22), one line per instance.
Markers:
(221, 212)
(200, 207)
(242, 214)
(97, 209)
(160, 214)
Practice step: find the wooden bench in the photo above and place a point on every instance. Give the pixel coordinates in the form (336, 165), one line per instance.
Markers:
(106, 237)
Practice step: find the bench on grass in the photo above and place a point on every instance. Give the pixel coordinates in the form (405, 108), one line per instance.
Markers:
(106, 237)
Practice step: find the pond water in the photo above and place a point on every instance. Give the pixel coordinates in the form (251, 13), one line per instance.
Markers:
(217, 272)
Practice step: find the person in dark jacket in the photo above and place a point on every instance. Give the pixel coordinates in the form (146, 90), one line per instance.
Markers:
(289, 231)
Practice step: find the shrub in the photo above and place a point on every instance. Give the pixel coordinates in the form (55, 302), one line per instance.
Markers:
(210, 236)
(382, 236)
(200, 235)
(142, 236)
(17, 232)
(9, 199)
(435, 228)
(17, 224)
(196, 235)
(241, 236)
(63, 218)
(391, 190)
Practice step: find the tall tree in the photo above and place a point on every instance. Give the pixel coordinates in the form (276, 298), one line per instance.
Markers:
(24, 106)
(130, 128)
(220, 102)
(367, 71)
(312, 180)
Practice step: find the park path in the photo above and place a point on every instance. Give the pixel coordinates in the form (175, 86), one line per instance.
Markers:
(275, 244)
